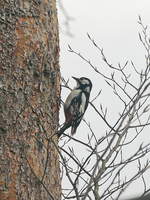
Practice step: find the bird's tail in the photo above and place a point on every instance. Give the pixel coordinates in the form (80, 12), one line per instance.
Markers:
(73, 130)
(62, 129)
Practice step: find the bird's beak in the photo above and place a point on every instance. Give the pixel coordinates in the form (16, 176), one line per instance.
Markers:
(77, 79)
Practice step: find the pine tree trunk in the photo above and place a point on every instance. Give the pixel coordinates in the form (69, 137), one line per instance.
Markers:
(29, 100)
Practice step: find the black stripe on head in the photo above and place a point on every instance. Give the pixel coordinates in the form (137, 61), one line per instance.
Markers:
(85, 82)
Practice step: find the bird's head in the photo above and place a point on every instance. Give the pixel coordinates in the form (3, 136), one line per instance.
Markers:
(84, 84)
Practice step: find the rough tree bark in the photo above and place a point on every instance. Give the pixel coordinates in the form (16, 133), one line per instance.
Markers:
(29, 100)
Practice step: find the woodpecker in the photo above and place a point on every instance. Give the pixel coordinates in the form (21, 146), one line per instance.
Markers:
(76, 104)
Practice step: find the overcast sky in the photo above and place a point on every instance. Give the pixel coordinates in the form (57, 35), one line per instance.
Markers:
(114, 26)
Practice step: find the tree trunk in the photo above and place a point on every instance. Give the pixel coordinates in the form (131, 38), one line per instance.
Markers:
(29, 100)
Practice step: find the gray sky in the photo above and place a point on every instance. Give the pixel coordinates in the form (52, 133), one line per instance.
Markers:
(113, 24)
(114, 27)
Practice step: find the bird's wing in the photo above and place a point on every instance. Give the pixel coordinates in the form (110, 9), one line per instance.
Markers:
(78, 112)
(75, 104)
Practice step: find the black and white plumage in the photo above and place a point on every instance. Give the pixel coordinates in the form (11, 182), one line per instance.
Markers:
(76, 104)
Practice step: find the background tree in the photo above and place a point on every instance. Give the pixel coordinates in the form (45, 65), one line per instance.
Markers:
(29, 100)
(102, 167)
